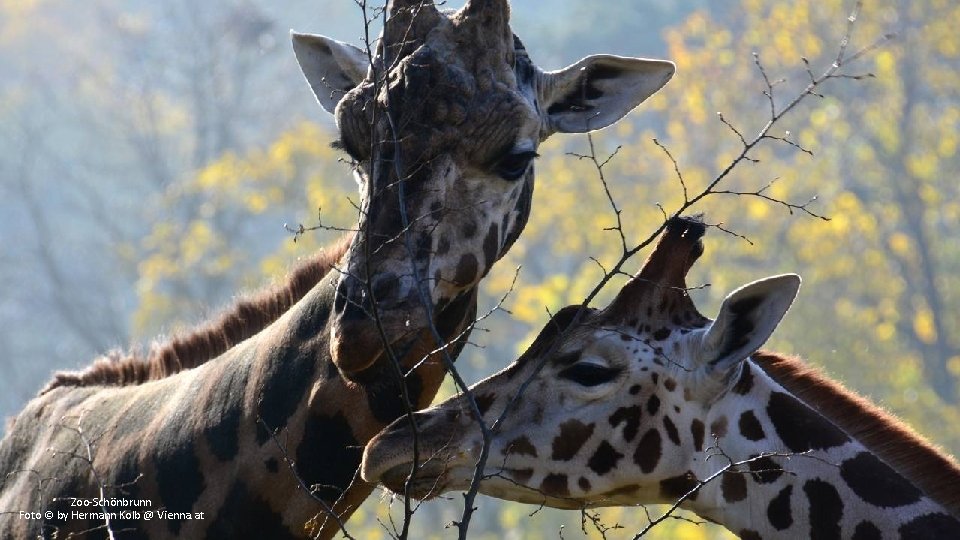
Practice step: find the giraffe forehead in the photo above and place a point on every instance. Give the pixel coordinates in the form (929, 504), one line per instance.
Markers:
(451, 100)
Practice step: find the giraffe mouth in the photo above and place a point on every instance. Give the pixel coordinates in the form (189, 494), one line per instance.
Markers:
(356, 345)
(430, 480)
(434, 479)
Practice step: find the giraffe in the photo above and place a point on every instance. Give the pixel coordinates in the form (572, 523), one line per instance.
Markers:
(258, 420)
(648, 401)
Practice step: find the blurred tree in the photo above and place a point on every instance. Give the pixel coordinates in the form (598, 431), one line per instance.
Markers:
(218, 251)
(105, 107)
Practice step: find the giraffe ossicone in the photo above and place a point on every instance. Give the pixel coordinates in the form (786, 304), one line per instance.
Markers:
(647, 401)
(240, 418)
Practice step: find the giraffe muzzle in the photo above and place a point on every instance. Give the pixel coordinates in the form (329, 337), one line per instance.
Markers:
(365, 325)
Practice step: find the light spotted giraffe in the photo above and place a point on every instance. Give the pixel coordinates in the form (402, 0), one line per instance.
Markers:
(647, 401)
(443, 151)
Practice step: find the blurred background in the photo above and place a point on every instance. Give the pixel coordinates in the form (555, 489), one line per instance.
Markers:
(151, 153)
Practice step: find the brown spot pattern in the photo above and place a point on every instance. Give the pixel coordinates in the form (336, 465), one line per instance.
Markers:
(521, 446)
(697, 429)
(604, 459)
(671, 430)
(733, 486)
(520, 476)
(466, 271)
(573, 433)
(764, 470)
(878, 484)
(648, 451)
(718, 428)
(677, 486)
(630, 417)
(555, 485)
(867, 531)
(779, 512)
(653, 405)
(826, 509)
(799, 427)
(484, 402)
(750, 427)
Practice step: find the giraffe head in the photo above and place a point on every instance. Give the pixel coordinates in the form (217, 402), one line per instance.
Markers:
(613, 407)
(443, 127)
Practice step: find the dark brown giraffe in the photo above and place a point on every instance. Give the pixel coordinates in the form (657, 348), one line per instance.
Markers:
(443, 128)
(646, 400)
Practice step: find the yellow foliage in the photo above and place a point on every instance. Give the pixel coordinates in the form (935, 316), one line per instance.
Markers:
(532, 301)
(885, 331)
(758, 209)
(238, 188)
(953, 365)
(947, 146)
(196, 242)
(922, 166)
(886, 64)
(901, 245)
(923, 325)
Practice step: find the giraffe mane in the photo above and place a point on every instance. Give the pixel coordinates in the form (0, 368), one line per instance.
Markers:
(206, 341)
(933, 471)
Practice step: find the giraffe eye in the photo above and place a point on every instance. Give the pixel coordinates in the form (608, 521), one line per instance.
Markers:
(590, 374)
(513, 166)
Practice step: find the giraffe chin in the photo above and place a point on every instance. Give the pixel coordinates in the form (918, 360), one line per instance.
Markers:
(429, 484)
(356, 345)
(434, 478)
(431, 480)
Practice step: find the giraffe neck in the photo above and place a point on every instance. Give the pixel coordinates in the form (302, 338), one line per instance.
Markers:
(245, 438)
(300, 413)
(802, 475)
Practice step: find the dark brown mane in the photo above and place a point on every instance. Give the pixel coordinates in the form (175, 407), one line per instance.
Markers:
(209, 340)
(928, 468)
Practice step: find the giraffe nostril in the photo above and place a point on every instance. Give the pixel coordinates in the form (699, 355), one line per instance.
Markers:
(354, 303)
(350, 301)
(386, 288)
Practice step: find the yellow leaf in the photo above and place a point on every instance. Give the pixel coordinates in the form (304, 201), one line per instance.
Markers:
(885, 331)
(923, 326)
(900, 244)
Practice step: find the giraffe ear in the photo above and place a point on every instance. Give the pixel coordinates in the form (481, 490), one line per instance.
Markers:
(331, 67)
(598, 90)
(747, 318)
